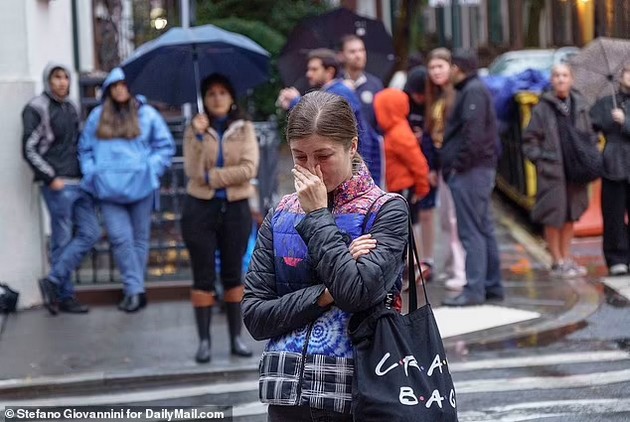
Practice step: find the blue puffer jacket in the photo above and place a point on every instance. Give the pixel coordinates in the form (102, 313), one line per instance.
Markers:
(125, 170)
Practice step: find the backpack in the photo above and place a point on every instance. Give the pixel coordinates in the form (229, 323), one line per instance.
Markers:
(8, 299)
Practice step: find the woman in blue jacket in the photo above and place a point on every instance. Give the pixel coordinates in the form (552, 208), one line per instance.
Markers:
(124, 149)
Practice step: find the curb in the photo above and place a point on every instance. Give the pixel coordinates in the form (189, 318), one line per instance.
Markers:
(83, 382)
(541, 329)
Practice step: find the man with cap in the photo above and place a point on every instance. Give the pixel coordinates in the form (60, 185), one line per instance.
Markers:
(51, 130)
(469, 158)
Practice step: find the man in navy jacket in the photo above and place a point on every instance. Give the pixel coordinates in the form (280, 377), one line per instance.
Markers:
(468, 158)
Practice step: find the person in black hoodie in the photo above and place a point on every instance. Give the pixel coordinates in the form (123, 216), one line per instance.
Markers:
(612, 118)
(51, 129)
(468, 158)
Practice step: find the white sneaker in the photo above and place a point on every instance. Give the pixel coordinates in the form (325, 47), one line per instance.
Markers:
(563, 270)
(618, 269)
(580, 270)
(455, 284)
(443, 276)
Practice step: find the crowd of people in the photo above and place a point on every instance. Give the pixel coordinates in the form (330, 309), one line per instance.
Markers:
(335, 247)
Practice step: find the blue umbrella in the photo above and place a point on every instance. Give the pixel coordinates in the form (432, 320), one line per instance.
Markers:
(169, 68)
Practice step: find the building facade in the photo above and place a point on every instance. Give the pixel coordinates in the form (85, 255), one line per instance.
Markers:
(516, 24)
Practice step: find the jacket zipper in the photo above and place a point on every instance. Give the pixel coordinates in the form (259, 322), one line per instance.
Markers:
(301, 379)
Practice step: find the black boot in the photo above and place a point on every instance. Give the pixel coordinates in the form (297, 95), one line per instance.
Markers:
(203, 317)
(133, 303)
(235, 322)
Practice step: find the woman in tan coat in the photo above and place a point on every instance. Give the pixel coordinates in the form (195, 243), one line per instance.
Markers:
(220, 157)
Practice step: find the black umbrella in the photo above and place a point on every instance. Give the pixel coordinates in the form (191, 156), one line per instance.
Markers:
(325, 31)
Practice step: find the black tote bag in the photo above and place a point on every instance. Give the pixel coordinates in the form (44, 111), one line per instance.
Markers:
(583, 163)
(401, 373)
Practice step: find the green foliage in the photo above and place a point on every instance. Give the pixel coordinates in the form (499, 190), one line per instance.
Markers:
(268, 38)
(268, 22)
(282, 15)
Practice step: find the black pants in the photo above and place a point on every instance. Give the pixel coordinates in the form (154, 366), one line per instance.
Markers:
(304, 414)
(615, 204)
(211, 224)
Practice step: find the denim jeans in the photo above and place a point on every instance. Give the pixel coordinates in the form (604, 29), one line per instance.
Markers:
(304, 414)
(75, 230)
(471, 193)
(128, 230)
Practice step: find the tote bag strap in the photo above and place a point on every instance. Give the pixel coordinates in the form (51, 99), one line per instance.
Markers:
(412, 259)
(412, 253)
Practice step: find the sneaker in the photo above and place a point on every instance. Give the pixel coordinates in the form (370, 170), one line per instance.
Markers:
(556, 270)
(580, 270)
(427, 272)
(50, 297)
(618, 269)
(455, 284)
(564, 270)
(442, 277)
(72, 306)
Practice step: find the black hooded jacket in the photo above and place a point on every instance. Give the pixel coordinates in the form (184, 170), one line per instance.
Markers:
(51, 132)
(470, 137)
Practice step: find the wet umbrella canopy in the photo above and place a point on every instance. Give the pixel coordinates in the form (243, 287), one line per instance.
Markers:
(598, 65)
(169, 68)
(325, 31)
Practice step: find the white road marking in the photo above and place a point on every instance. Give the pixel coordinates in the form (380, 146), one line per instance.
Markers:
(542, 383)
(620, 284)
(542, 360)
(456, 321)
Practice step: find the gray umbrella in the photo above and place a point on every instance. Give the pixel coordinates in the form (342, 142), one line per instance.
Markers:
(598, 65)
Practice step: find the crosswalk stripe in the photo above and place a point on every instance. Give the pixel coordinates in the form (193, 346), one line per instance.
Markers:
(518, 410)
(620, 284)
(249, 409)
(141, 396)
(457, 321)
(521, 411)
(542, 383)
(556, 359)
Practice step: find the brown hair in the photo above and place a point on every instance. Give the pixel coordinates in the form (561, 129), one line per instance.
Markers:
(348, 38)
(327, 115)
(435, 92)
(328, 58)
(118, 120)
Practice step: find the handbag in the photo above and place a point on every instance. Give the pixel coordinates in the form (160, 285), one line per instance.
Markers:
(401, 372)
(583, 163)
(8, 299)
